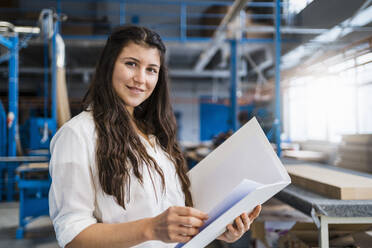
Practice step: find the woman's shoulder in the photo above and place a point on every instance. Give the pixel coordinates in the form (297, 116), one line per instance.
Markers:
(81, 124)
(83, 120)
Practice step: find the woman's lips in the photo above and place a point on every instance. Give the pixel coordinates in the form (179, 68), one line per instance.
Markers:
(135, 89)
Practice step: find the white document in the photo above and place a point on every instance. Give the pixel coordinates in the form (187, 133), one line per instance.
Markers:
(240, 174)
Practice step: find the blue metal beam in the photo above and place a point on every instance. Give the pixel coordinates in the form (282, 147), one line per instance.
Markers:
(6, 42)
(3, 138)
(46, 76)
(196, 3)
(234, 84)
(13, 96)
(277, 122)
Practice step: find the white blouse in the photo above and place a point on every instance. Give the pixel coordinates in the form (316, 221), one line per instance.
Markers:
(76, 199)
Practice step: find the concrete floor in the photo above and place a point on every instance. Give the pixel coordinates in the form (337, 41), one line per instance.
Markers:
(39, 233)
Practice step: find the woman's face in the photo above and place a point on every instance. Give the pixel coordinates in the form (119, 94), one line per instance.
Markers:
(136, 73)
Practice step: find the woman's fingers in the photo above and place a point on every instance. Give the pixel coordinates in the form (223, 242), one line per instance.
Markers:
(188, 211)
(255, 212)
(231, 231)
(178, 224)
(234, 233)
(239, 225)
(189, 221)
(187, 231)
(186, 216)
(246, 221)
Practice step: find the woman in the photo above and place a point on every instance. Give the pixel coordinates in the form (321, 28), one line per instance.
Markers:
(118, 175)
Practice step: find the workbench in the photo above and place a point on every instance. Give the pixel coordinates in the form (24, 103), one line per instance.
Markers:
(323, 210)
(33, 182)
(9, 165)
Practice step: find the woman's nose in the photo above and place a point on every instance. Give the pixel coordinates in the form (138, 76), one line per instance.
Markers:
(140, 76)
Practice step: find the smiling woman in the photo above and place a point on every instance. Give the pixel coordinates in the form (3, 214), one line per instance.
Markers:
(118, 174)
(136, 73)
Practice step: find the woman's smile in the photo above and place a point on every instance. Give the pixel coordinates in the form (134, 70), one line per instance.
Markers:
(135, 90)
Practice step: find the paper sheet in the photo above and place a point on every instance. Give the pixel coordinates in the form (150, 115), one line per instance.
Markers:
(240, 174)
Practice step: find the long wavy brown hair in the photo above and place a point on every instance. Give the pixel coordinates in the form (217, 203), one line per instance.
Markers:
(119, 148)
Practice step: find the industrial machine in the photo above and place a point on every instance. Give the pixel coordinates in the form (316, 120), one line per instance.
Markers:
(30, 172)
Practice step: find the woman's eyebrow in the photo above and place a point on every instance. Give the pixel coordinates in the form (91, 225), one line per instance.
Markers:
(137, 60)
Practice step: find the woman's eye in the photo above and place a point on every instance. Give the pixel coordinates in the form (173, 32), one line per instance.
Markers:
(132, 64)
(152, 70)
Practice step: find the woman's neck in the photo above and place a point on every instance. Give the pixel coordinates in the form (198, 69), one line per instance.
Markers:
(140, 132)
(130, 109)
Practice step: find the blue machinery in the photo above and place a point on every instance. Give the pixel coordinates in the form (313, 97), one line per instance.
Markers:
(33, 192)
(11, 44)
(9, 121)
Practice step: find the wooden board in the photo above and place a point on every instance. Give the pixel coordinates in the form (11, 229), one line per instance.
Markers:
(331, 183)
(34, 166)
(357, 138)
(360, 149)
(354, 165)
(310, 156)
(360, 158)
(63, 106)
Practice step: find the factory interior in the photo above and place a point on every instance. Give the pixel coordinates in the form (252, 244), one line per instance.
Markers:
(286, 83)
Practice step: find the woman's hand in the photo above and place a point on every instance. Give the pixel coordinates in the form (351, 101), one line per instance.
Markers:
(240, 226)
(176, 224)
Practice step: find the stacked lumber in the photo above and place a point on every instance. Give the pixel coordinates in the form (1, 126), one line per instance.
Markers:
(310, 156)
(330, 182)
(355, 152)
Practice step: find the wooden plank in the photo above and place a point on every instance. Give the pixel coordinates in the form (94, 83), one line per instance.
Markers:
(331, 183)
(33, 166)
(310, 156)
(63, 105)
(357, 138)
(359, 150)
(354, 165)
(360, 158)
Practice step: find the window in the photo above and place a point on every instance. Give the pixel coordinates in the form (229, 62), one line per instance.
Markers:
(324, 107)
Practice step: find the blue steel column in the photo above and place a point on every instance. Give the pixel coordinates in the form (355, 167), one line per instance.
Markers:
(13, 96)
(277, 122)
(234, 83)
(54, 73)
(46, 76)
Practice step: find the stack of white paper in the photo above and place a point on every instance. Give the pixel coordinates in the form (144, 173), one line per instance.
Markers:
(240, 174)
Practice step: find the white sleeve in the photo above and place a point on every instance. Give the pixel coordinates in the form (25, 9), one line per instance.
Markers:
(72, 192)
